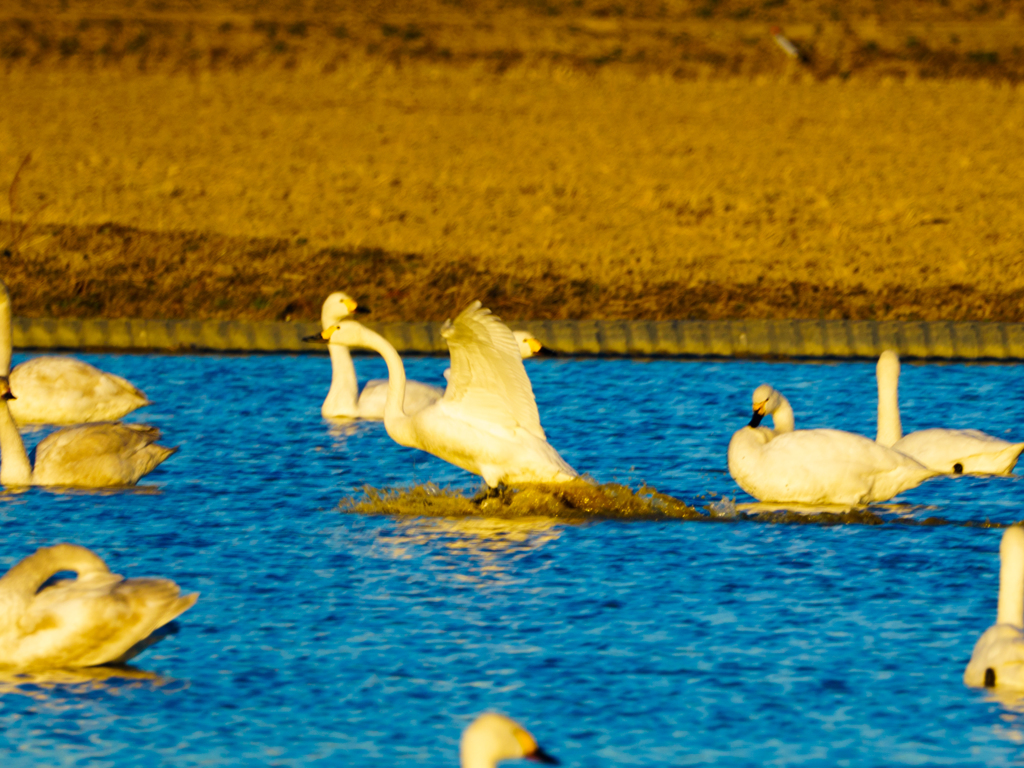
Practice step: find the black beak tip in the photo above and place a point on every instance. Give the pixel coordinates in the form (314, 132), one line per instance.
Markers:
(540, 756)
(361, 310)
(755, 419)
(315, 338)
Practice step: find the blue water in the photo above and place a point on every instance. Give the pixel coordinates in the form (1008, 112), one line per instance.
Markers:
(327, 638)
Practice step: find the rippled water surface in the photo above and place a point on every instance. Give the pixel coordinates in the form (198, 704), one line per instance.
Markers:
(327, 638)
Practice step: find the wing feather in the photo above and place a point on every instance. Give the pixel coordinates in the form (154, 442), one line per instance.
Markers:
(488, 380)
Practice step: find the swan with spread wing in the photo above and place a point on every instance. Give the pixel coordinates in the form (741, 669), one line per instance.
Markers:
(487, 421)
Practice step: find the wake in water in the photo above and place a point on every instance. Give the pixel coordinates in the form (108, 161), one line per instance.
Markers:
(582, 499)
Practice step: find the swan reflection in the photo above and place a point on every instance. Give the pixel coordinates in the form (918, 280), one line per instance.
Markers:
(489, 540)
(116, 678)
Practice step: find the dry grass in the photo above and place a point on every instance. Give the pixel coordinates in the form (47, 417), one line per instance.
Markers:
(557, 160)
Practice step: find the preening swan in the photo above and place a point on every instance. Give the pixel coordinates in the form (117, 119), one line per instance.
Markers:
(815, 466)
(998, 658)
(967, 451)
(344, 399)
(88, 456)
(97, 618)
(492, 738)
(487, 422)
(62, 390)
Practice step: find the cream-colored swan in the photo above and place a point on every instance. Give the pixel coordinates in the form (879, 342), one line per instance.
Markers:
(998, 658)
(967, 451)
(492, 738)
(815, 466)
(88, 456)
(97, 618)
(487, 422)
(62, 390)
(344, 400)
(530, 345)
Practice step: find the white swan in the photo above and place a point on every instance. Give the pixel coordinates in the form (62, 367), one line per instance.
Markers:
(529, 345)
(97, 618)
(998, 658)
(492, 738)
(88, 456)
(968, 451)
(62, 390)
(487, 422)
(344, 399)
(815, 466)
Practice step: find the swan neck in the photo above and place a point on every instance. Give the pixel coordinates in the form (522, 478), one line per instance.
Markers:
(395, 418)
(25, 578)
(343, 395)
(1011, 588)
(6, 341)
(15, 468)
(782, 417)
(890, 428)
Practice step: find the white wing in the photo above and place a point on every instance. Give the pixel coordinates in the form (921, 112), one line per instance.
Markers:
(488, 381)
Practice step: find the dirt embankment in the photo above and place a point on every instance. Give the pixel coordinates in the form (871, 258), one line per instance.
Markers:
(220, 159)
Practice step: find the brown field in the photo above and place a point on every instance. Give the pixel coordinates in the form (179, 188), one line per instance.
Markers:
(555, 159)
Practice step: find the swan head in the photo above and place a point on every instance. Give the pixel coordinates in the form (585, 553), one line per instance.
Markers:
(765, 401)
(492, 738)
(528, 344)
(888, 365)
(5, 389)
(338, 306)
(1012, 542)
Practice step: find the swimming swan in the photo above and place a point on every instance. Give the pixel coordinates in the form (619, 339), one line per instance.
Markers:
(968, 451)
(97, 618)
(998, 658)
(344, 399)
(98, 455)
(492, 738)
(487, 422)
(62, 390)
(814, 466)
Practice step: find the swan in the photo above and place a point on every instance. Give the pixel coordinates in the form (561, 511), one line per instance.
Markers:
(814, 466)
(529, 345)
(344, 399)
(97, 618)
(89, 456)
(62, 390)
(492, 738)
(998, 658)
(487, 422)
(956, 451)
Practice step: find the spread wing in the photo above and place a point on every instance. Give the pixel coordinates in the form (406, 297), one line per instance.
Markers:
(488, 381)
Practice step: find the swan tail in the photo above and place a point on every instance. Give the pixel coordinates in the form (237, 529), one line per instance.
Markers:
(152, 605)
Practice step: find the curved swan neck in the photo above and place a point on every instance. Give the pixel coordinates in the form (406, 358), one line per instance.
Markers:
(395, 419)
(782, 417)
(15, 468)
(6, 342)
(343, 395)
(887, 373)
(1011, 578)
(25, 578)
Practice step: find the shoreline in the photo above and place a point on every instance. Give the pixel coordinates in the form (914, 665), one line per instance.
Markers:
(749, 339)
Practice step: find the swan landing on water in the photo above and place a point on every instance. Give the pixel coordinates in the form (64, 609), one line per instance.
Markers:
(998, 658)
(953, 451)
(487, 422)
(96, 618)
(815, 466)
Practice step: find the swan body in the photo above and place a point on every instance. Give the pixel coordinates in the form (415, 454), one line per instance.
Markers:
(492, 738)
(998, 657)
(344, 400)
(62, 390)
(96, 618)
(487, 422)
(98, 455)
(814, 466)
(967, 451)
